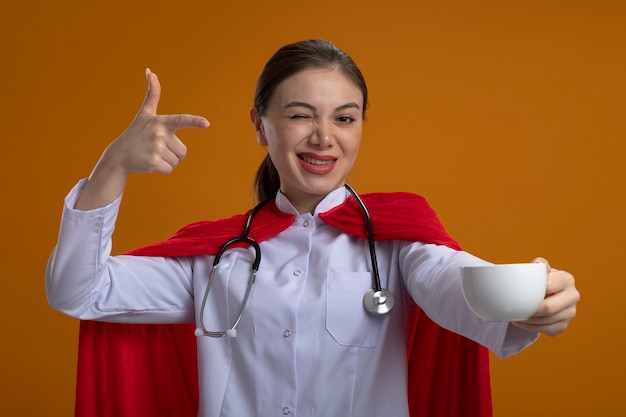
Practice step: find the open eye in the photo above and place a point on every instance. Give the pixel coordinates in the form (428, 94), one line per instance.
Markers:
(345, 119)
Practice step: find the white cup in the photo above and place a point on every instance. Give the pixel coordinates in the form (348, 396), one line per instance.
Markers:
(505, 292)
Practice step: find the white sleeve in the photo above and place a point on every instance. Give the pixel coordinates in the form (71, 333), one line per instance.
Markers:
(432, 275)
(84, 281)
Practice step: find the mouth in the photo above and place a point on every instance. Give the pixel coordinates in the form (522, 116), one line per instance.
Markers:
(317, 164)
(317, 160)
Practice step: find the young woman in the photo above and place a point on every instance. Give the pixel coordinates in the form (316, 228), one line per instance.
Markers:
(305, 344)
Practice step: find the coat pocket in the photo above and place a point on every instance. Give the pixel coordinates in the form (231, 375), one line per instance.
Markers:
(347, 320)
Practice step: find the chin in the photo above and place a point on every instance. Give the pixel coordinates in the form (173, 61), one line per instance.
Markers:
(325, 187)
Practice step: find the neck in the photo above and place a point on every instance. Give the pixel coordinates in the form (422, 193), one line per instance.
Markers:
(304, 204)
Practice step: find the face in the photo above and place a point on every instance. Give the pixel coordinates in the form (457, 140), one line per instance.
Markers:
(312, 127)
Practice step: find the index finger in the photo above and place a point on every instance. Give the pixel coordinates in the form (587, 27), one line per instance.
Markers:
(543, 260)
(173, 122)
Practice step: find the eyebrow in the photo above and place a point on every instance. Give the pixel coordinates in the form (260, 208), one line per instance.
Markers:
(351, 105)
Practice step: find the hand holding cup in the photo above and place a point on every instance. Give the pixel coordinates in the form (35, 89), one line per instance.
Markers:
(532, 296)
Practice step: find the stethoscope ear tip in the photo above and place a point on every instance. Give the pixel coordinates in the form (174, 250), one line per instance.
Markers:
(231, 333)
(199, 332)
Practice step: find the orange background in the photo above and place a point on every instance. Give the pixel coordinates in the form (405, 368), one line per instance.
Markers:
(507, 115)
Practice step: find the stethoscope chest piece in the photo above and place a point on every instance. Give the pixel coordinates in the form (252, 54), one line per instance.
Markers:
(378, 302)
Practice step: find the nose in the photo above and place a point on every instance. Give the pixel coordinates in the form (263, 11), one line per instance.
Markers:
(322, 134)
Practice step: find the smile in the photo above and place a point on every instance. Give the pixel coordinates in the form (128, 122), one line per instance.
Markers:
(316, 161)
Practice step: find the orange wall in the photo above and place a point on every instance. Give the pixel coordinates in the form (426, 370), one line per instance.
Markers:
(508, 116)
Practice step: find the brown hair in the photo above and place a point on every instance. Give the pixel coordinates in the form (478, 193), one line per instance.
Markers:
(287, 61)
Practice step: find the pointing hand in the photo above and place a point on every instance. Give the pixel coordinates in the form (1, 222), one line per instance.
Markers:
(150, 143)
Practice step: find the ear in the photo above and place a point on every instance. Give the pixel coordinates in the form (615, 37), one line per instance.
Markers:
(257, 121)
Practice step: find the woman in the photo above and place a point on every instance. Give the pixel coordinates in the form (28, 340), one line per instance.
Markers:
(304, 343)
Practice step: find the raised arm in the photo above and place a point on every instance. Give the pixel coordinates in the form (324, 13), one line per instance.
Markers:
(149, 144)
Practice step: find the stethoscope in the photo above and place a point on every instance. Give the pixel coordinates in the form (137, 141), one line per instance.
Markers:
(378, 300)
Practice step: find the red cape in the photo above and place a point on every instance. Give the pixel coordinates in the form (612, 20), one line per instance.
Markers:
(134, 370)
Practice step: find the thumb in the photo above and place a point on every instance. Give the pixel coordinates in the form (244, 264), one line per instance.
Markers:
(151, 102)
(542, 260)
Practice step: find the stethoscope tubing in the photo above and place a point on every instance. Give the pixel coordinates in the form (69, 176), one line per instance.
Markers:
(202, 331)
(370, 236)
(377, 300)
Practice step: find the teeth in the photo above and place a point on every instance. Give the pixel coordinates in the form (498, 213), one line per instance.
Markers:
(315, 161)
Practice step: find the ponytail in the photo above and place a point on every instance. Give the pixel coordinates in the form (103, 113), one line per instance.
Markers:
(266, 181)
